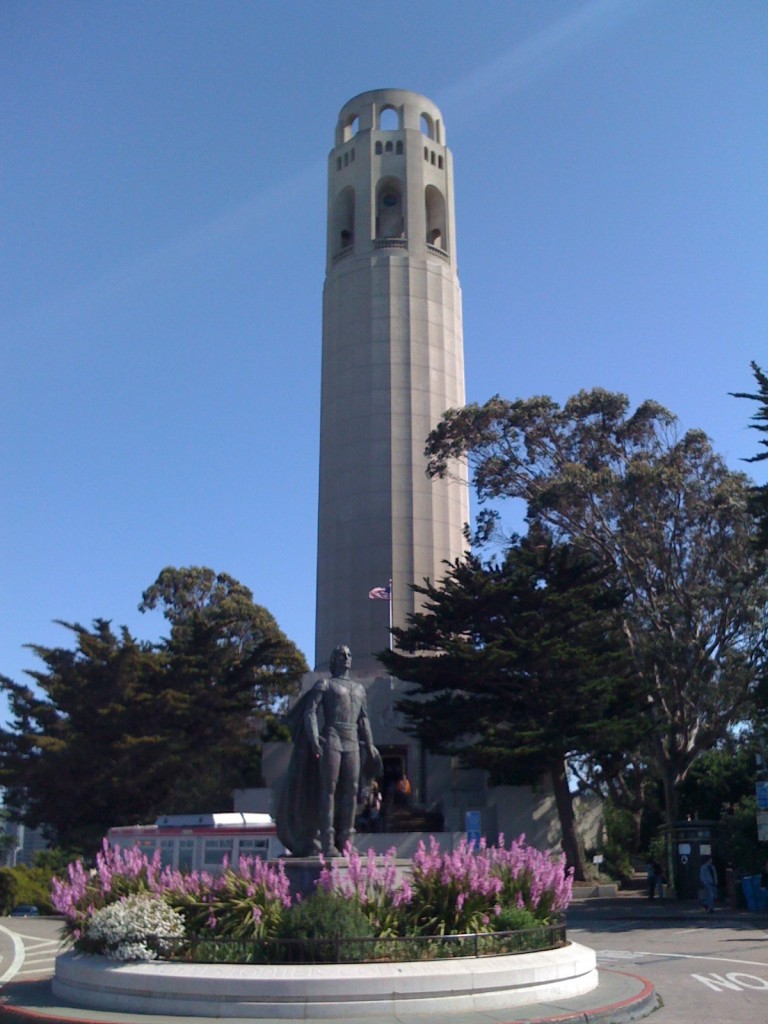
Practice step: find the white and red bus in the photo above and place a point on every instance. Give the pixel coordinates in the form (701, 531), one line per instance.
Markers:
(200, 842)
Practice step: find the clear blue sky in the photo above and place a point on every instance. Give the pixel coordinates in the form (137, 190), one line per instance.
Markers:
(162, 258)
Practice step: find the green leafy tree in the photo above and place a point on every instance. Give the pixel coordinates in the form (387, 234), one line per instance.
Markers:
(230, 670)
(720, 778)
(628, 784)
(759, 495)
(665, 512)
(115, 730)
(7, 847)
(521, 666)
(213, 616)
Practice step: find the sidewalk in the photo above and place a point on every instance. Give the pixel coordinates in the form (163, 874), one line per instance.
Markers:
(635, 906)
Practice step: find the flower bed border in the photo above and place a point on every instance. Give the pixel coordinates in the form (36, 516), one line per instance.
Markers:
(325, 991)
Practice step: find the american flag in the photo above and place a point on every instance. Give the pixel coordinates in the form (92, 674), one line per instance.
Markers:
(381, 593)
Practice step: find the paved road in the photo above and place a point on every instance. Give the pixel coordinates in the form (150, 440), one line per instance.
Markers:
(28, 947)
(705, 968)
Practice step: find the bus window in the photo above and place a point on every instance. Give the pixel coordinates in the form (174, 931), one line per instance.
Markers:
(166, 852)
(214, 852)
(147, 847)
(254, 848)
(186, 852)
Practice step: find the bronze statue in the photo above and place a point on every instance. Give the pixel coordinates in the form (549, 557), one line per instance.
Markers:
(319, 798)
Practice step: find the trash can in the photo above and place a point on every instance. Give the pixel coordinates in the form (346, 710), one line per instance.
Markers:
(755, 897)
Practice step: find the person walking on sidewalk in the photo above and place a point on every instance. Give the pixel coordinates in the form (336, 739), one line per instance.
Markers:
(708, 878)
(658, 879)
(655, 875)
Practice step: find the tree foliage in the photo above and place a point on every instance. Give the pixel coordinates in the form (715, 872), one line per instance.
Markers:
(114, 730)
(664, 512)
(720, 778)
(521, 665)
(759, 495)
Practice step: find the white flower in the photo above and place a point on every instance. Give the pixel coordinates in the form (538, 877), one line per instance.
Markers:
(122, 929)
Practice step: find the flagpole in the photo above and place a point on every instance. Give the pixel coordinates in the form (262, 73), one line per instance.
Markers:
(391, 602)
(391, 646)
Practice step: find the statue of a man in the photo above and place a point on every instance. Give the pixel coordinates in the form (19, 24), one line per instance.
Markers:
(329, 724)
(345, 729)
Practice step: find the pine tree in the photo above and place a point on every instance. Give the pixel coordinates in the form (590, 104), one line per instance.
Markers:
(759, 494)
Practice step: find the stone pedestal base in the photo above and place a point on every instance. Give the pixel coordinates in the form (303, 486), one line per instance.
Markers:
(302, 873)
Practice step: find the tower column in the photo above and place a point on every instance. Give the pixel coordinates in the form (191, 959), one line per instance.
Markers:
(392, 364)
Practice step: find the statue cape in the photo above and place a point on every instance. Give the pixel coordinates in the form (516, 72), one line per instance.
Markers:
(298, 805)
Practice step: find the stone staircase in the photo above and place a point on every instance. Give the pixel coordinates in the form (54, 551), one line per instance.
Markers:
(637, 885)
(401, 818)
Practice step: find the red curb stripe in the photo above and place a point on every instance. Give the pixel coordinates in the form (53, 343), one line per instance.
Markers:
(646, 994)
(588, 1015)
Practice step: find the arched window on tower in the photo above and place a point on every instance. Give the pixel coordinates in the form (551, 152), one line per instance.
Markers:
(390, 221)
(344, 220)
(389, 120)
(351, 127)
(427, 126)
(434, 202)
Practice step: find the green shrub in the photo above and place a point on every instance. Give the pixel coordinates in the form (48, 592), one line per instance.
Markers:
(221, 951)
(619, 842)
(9, 888)
(311, 930)
(737, 840)
(527, 931)
(25, 885)
(35, 887)
(512, 918)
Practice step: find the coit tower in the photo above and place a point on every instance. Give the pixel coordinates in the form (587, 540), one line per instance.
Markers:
(392, 364)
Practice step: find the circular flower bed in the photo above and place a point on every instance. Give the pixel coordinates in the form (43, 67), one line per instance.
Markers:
(129, 907)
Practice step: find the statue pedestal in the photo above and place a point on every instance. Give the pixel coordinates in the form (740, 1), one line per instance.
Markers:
(302, 873)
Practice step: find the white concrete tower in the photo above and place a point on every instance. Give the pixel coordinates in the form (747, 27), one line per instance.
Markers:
(392, 364)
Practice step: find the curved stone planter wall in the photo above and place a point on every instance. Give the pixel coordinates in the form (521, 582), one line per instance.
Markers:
(325, 991)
